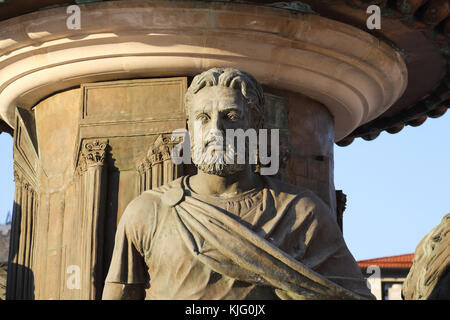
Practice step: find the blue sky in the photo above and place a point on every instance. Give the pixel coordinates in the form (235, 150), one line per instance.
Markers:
(397, 186)
(6, 176)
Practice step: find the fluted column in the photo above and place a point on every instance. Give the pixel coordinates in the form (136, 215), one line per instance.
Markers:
(171, 171)
(157, 169)
(20, 282)
(168, 170)
(148, 174)
(14, 240)
(141, 178)
(92, 168)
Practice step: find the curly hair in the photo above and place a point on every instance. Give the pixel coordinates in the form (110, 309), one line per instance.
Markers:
(232, 78)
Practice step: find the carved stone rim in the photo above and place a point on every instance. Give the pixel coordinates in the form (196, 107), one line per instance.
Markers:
(354, 74)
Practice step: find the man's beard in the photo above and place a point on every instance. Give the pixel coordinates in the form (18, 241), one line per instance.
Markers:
(215, 157)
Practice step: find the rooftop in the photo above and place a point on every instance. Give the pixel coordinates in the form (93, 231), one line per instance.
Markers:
(403, 261)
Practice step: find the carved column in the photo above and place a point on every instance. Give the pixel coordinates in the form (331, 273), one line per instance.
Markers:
(157, 168)
(20, 282)
(148, 174)
(13, 258)
(171, 171)
(141, 178)
(92, 168)
(28, 241)
(167, 164)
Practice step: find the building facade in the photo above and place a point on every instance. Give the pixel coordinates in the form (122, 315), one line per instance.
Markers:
(385, 276)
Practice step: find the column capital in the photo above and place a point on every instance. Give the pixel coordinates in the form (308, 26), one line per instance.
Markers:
(93, 152)
(18, 178)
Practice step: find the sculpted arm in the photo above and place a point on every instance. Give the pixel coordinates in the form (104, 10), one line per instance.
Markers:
(128, 274)
(118, 291)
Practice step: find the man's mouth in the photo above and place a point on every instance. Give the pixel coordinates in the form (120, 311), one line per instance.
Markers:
(213, 143)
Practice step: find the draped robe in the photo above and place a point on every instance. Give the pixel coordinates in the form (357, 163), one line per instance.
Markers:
(278, 242)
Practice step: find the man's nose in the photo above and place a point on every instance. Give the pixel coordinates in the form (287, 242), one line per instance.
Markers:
(217, 123)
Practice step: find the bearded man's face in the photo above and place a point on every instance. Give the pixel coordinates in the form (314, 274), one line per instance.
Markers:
(214, 110)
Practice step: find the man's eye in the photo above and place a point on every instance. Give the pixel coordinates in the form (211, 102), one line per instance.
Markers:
(203, 117)
(233, 116)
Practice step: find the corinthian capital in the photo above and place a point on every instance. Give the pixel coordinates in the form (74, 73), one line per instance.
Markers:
(18, 178)
(93, 152)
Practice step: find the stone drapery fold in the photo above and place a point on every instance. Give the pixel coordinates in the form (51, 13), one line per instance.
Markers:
(232, 249)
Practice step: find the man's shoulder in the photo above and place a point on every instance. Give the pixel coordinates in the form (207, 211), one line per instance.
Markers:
(145, 200)
(156, 196)
(283, 188)
(302, 197)
(149, 203)
(141, 210)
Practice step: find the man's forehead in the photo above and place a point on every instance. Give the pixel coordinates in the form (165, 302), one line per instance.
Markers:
(222, 97)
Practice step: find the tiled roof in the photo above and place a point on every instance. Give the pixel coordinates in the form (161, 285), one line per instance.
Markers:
(398, 262)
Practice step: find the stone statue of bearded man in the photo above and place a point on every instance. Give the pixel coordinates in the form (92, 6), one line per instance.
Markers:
(228, 232)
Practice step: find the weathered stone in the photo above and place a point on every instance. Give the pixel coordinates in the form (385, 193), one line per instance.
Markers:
(4, 251)
(3, 275)
(429, 277)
